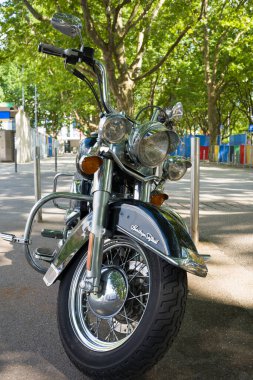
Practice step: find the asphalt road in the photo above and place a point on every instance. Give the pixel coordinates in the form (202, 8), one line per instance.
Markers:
(216, 338)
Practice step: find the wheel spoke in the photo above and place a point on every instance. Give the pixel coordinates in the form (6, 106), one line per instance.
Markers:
(98, 322)
(124, 262)
(97, 331)
(126, 317)
(131, 259)
(97, 326)
(137, 299)
(137, 272)
(127, 321)
(114, 255)
(112, 326)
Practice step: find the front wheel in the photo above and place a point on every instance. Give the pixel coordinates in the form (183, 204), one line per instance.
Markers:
(126, 329)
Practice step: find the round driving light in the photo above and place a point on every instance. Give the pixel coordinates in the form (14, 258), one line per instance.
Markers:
(89, 165)
(174, 167)
(114, 129)
(177, 170)
(149, 144)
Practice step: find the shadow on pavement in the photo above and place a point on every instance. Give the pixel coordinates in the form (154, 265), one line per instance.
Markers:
(215, 341)
(216, 338)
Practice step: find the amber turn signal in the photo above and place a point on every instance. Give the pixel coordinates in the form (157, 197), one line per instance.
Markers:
(157, 199)
(89, 165)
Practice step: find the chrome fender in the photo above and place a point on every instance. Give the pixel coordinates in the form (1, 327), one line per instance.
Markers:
(161, 230)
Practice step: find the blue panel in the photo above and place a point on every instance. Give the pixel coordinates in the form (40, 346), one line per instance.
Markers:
(238, 139)
(184, 148)
(223, 153)
(5, 114)
(204, 140)
(181, 150)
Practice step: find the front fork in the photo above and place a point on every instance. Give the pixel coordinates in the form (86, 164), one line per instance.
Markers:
(102, 187)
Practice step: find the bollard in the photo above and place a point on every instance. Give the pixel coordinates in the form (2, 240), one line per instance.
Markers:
(15, 160)
(55, 160)
(37, 181)
(37, 175)
(194, 217)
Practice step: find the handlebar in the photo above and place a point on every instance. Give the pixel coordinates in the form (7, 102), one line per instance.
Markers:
(71, 55)
(85, 54)
(51, 50)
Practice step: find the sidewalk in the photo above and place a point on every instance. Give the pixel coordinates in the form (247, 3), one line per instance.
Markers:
(216, 338)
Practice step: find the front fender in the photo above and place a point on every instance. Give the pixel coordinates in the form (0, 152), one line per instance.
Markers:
(160, 230)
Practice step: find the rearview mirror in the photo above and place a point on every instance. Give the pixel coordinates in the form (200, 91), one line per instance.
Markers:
(67, 24)
(177, 112)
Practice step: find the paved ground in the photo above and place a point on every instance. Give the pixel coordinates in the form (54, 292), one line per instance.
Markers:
(216, 338)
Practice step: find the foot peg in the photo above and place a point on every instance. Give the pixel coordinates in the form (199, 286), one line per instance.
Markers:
(45, 254)
(13, 238)
(206, 257)
(53, 234)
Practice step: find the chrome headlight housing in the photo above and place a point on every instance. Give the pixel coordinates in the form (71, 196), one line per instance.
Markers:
(115, 129)
(150, 143)
(174, 168)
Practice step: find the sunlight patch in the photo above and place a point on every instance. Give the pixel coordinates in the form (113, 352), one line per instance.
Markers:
(4, 260)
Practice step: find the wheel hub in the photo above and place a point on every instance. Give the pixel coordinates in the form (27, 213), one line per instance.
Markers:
(109, 301)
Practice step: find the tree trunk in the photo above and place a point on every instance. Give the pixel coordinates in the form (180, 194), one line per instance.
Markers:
(213, 119)
(124, 95)
(122, 88)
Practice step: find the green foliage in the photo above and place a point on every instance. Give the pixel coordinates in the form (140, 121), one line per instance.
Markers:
(182, 76)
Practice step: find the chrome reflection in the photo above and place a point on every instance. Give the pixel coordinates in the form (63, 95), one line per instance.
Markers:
(110, 300)
(126, 273)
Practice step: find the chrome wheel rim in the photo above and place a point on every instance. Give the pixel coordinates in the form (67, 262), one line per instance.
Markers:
(105, 333)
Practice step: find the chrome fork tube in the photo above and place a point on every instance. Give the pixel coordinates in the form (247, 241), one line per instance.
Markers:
(145, 192)
(142, 191)
(102, 186)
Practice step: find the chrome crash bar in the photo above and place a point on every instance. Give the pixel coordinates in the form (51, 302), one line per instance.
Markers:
(56, 177)
(47, 198)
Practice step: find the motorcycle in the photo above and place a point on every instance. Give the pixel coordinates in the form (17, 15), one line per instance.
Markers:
(122, 258)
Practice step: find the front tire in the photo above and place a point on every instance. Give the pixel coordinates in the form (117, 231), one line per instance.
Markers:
(134, 337)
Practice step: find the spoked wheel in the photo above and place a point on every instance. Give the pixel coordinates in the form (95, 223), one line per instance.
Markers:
(115, 333)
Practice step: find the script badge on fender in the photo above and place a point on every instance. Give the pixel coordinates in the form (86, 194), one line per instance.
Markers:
(147, 235)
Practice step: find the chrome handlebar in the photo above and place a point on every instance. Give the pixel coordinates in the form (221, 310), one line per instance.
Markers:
(105, 92)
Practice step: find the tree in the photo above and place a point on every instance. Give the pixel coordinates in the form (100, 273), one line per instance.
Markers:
(155, 52)
(130, 35)
(225, 25)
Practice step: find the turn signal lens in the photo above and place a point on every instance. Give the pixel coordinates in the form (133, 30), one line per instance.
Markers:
(157, 199)
(89, 165)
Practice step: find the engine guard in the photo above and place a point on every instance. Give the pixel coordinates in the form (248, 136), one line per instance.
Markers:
(159, 229)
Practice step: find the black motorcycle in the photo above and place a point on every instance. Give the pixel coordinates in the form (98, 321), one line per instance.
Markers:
(122, 258)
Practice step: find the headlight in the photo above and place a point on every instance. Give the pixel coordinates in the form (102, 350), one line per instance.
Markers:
(175, 168)
(150, 143)
(115, 129)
